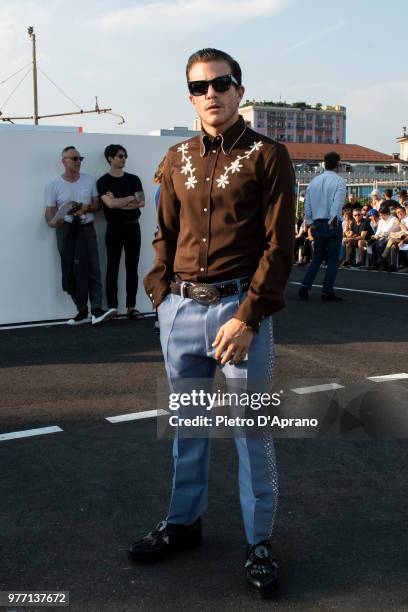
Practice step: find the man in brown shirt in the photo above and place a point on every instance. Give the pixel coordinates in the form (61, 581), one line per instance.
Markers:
(224, 249)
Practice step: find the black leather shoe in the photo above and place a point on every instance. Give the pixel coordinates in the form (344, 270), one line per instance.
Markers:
(303, 293)
(261, 570)
(164, 540)
(331, 298)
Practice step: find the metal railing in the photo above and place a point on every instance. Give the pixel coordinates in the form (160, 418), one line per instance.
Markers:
(361, 185)
(354, 178)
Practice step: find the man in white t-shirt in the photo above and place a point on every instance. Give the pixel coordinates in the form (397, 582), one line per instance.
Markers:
(74, 193)
(395, 239)
(388, 224)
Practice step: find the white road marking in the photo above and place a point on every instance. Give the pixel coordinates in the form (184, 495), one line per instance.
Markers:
(54, 323)
(403, 295)
(317, 388)
(28, 433)
(134, 416)
(149, 414)
(386, 377)
(28, 325)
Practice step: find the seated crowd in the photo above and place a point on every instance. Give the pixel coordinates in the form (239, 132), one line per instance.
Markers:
(374, 236)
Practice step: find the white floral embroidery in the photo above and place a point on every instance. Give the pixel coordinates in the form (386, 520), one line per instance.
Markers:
(223, 180)
(191, 182)
(187, 168)
(235, 166)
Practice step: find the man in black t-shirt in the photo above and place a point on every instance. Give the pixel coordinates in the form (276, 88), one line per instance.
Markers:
(122, 196)
(360, 232)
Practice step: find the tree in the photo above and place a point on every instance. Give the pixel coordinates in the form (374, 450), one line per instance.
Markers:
(301, 105)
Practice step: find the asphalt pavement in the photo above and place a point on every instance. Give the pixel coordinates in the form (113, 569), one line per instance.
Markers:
(72, 501)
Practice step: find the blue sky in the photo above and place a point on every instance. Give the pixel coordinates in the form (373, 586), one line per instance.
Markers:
(132, 55)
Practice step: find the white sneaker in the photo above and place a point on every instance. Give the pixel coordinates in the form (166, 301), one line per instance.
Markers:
(81, 317)
(99, 315)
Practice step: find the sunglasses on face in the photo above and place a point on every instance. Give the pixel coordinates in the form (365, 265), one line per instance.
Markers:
(121, 156)
(219, 84)
(74, 158)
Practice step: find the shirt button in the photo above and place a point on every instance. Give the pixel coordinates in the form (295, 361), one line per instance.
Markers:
(204, 239)
(205, 209)
(214, 151)
(202, 269)
(150, 294)
(207, 178)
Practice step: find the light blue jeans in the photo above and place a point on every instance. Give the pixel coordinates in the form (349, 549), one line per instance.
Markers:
(187, 331)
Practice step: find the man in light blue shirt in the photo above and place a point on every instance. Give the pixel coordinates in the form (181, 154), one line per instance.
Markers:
(323, 212)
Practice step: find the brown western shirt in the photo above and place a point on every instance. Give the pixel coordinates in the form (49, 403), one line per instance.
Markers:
(226, 210)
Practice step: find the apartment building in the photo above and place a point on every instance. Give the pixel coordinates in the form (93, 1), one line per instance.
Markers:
(303, 123)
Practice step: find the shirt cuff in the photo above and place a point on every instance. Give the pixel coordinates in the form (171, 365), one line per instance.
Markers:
(157, 293)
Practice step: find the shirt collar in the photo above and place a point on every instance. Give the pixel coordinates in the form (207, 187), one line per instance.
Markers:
(228, 139)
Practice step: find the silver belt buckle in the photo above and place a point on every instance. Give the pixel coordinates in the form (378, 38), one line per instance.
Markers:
(205, 294)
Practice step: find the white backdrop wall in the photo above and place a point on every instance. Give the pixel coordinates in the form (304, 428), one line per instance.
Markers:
(30, 272)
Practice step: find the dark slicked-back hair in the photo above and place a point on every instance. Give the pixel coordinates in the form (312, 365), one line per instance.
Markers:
(214, 55)
(331, 160)
(388, 193)
(112, 150)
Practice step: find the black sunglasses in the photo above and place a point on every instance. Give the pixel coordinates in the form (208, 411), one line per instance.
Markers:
(219, 84)
(121, 156)
(74, 157)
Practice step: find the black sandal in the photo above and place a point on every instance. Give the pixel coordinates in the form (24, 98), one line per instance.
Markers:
(135, 314)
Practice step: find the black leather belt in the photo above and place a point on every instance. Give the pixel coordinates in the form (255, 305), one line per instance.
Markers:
(206, 294)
